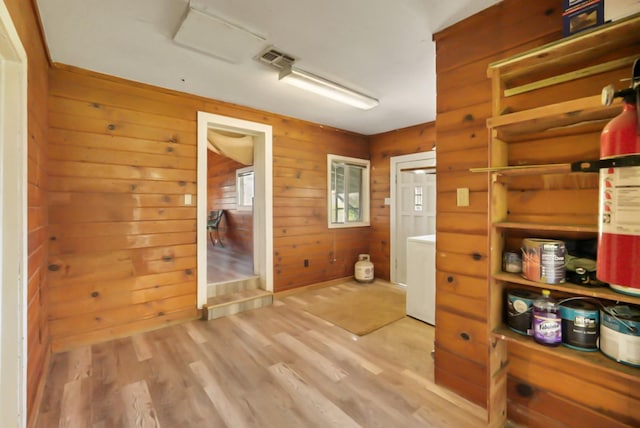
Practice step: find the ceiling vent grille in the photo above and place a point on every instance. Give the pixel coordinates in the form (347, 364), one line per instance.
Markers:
(275, 58)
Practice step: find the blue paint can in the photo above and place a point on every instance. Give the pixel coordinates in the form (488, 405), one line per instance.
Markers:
(580, 325)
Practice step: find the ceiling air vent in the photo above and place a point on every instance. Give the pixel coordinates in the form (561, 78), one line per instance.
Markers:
(275, 58)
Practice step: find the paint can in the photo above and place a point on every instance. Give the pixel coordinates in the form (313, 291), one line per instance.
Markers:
(620, 334)
(580, 327)
(519, 304)
(543, 260)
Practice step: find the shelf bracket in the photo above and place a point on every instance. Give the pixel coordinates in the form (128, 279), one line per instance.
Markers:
(597, 165)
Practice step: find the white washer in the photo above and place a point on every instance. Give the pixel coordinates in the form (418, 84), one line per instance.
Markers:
(421, 278)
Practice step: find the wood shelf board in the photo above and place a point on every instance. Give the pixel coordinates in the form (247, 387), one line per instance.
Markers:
(605, 293)
(554, 117)
(584, 128)
(575, 49)
(567, 77)
(594, 360)
(573, 228)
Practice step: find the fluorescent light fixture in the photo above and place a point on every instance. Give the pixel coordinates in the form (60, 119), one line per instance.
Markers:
(318, 85)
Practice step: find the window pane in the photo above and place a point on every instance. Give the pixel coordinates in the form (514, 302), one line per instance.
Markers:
(337, 192)
(355, 193)
(348, 194)
(417, 198)
(245, 188)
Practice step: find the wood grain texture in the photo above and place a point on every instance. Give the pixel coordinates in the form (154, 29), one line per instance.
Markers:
(276, 366)
(464, 51)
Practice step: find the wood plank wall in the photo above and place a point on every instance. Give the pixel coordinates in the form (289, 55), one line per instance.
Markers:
(300, 206)
(463, 52)
(236, 229)
(122, 246)
(26, 22)
(414, 139)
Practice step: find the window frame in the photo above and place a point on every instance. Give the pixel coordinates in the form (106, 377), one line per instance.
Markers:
(240, 173)
(365, 164)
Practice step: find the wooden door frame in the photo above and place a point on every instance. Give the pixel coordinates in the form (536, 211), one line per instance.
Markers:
(13, 224)
(395, 160)
(263, 199)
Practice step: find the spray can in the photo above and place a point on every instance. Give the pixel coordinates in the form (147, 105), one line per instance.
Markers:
(547, 323)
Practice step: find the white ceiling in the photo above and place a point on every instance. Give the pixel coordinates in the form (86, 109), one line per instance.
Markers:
(383, 48)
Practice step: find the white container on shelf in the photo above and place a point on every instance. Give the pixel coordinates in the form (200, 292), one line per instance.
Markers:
(421, 278)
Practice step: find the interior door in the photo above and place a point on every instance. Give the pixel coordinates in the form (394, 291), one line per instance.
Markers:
(415, 208)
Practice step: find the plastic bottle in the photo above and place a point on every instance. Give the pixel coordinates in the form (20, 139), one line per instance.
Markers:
(547, 324)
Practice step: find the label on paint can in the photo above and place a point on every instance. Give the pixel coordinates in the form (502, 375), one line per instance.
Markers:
(519, 304)
(543, 260)
(620, 334)
(580, 325)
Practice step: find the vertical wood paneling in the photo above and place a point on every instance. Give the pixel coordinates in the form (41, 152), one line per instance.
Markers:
(414, 139)
(236, 229)
(463, 53)
(25, 20)
(122, 242)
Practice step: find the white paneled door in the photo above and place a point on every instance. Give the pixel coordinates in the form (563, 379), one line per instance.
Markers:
(414, 206)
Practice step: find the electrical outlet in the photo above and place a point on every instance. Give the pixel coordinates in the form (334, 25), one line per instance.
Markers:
(306, 262)
(462, 196)
(187, 199)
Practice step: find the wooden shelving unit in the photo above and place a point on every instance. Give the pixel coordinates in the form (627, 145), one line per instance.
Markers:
(592, 360)
(604, 51)
(578, 290)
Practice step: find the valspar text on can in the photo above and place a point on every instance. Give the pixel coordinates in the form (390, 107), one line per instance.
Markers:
(580, 327)
(620, 334)
(519, 303)
(543, 260)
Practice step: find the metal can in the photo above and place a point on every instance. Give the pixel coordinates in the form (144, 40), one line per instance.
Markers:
(543, 260)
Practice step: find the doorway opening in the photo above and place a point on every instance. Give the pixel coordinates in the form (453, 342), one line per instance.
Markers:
(262, 218)
(13, 224)
(230, 192)
(413, 205)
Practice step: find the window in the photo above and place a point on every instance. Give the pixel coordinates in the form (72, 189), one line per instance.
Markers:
(244, 188)
(348, 191)
(417, 198)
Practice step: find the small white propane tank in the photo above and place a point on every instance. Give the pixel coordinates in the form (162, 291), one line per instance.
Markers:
(364, 268)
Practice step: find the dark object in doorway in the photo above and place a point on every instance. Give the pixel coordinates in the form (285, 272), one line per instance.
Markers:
(213, 225)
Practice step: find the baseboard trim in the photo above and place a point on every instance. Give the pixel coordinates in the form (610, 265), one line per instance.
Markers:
(323, 284)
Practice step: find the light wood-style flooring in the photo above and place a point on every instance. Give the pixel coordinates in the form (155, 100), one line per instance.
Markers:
(224, 264)
(278, 366)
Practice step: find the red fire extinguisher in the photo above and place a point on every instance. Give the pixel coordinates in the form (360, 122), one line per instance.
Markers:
(618, 261)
